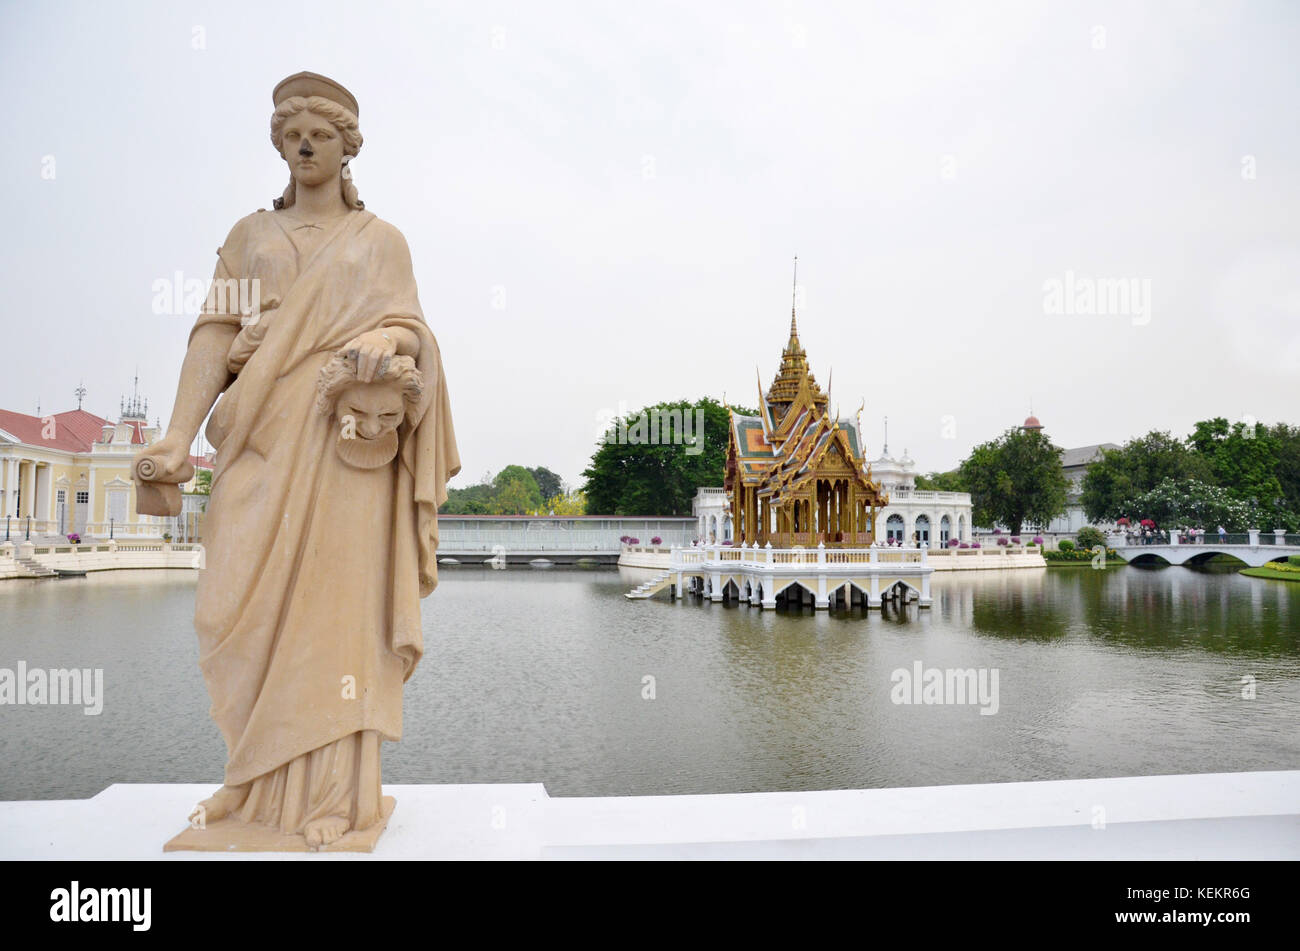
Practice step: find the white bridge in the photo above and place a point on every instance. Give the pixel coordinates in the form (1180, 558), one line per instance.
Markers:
(1255, 548)
(846, 577)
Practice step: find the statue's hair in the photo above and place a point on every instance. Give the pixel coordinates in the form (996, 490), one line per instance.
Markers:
(344, 122)
(341, 372)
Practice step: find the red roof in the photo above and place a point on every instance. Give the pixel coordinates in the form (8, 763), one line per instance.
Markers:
(73, 431)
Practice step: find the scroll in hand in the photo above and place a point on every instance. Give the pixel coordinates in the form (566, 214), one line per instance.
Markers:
(158, 492)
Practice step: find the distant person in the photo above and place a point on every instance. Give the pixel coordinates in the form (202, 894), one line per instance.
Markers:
(1223, 535)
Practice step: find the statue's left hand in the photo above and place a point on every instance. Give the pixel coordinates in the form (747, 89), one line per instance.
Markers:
(372, 349)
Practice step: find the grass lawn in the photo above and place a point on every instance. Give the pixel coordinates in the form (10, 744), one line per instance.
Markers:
(1277, 574)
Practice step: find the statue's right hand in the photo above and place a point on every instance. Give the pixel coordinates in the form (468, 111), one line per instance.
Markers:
(170, 457)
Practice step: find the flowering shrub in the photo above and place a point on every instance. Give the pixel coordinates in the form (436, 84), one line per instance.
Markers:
(1015, 539)
(74, 538)
(634, 541)
(1038, 540)
(952, 543)
(1190, 502)
(997, 531)
(1002, 541)
(624, 538)
(656, 540)
(974, 544)
(1122, 521)
(963, 545)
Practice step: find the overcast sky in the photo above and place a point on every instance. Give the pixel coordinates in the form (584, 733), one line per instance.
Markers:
(602, 202)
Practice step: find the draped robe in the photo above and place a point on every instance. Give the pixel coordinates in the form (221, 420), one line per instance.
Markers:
(308, 611)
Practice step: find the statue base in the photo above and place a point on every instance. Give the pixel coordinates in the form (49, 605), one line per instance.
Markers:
(231, 835)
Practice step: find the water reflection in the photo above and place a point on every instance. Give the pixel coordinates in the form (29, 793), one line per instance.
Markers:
(555, 677)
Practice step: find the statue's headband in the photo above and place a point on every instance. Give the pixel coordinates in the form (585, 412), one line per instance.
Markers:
(314, 84)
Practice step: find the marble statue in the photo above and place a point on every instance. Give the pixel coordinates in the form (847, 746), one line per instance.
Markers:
(334, 444)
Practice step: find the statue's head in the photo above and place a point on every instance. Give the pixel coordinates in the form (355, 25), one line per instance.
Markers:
(314, 128)
(368, 414)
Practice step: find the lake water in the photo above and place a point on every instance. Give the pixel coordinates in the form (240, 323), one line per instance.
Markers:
(537, 676)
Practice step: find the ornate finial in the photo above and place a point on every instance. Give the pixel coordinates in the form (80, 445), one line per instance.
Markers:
(886, 452)
(794, 292)
(80, 393)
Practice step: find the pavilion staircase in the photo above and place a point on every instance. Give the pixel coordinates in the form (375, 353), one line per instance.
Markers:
(651, 587)
(33, 568)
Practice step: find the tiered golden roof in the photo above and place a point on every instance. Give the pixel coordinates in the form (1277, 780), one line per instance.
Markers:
(794, 474)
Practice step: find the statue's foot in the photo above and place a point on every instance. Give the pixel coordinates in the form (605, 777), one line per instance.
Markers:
(325, 831)
(219, 805)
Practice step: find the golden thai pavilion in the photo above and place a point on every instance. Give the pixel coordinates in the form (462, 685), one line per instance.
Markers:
(795, 476)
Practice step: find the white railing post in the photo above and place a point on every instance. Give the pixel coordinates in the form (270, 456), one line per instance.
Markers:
(1279, 536)
(1254, 537)
(769, 553)
(821, 554)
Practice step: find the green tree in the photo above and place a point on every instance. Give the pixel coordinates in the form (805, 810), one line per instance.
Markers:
(1242, 458)
(515, 492)
(203, 481)
(548, 482)
(1287, 440)
(1137, 467)
(470, 500)
(631, 475)
(514, 497)
(942, 481)
(1015, 480)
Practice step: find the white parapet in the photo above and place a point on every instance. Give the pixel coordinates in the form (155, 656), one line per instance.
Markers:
(1249, 815)
(760, 574)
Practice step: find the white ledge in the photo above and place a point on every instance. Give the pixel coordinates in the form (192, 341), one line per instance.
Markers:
(1204, 816)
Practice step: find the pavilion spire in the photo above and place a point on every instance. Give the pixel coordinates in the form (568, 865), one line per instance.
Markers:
(794, 293)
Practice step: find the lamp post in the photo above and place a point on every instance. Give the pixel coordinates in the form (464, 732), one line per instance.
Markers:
(110, 528)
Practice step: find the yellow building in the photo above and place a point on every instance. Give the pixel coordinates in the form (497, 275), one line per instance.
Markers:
(795, 475)
(70, 472)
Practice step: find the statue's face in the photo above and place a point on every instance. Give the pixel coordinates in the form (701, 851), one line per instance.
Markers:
(312, 147)
(368, 415)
